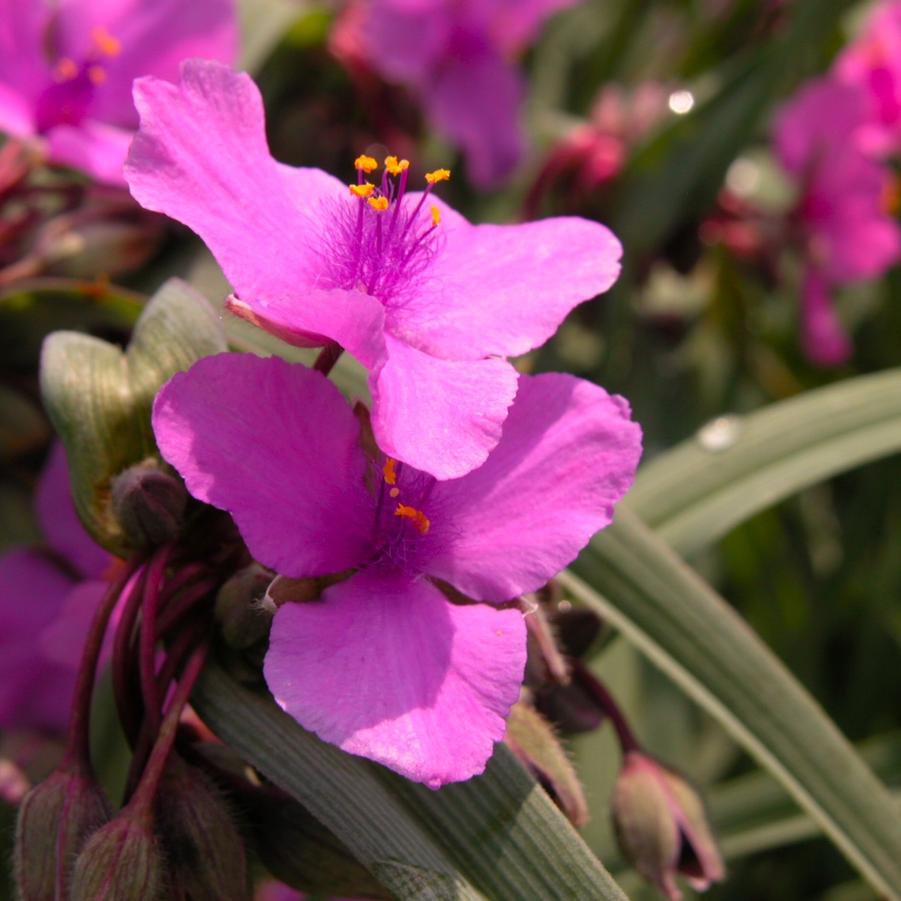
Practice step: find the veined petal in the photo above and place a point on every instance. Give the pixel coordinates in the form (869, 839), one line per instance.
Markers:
(385, 667)
(276, 445)
(201, 157)
(568, 453)
(441, 416)
(60, 523)
(504, 289)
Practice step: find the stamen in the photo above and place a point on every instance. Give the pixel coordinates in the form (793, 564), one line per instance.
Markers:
(416, 517)
(66, 69)
(364, 190)
(394, 166)
(390, 470)
(436, 216)
(437, 175)
(379, 204)
(97, 74)
(365, 164)
(105, 43)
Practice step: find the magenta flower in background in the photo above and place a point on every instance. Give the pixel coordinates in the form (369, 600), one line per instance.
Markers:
(47, 599)
(846, 207)
(872, 62)
(66, 69)
(458, 57)
(426, 301)
(384, 665)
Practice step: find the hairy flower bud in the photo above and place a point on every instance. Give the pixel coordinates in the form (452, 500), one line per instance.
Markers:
(148, 503)
(240, 612)
(662, 828)
(122, 861)
(204, 850)
(55, 820)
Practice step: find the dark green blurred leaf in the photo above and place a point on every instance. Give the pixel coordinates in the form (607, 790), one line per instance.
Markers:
(99, 398)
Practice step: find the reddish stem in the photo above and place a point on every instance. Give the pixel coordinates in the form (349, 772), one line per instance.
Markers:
(78, 746)
(123, 685)
(147, 642)
(590, 682)
(328, 356)
(179, 608)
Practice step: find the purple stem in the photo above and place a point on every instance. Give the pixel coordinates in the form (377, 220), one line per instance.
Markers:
(176, 610)
(147, 642)
(121, 670)
(78, 749)
(590, 682)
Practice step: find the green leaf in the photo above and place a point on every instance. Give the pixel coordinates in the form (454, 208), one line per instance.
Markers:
(737, 466)
(642, 588)
(497, 835)
(99, 398)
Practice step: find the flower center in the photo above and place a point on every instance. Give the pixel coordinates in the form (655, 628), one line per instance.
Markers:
(381, 239)
(66, 101)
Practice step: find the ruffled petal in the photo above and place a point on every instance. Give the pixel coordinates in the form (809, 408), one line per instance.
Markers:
(441, 416)
(504, 289)
(201, 157)
(276, 445)
(60, 524)
(569, 452)
(34, 692)
(387, 668)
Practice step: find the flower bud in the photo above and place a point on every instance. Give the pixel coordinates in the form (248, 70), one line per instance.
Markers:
(56, 818)
(122, 861)
(242, 617)
(662, 828)
(204, 849)
(148, 503)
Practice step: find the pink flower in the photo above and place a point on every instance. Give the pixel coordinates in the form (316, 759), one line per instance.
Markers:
(385, 666)
(47, 598)
(873, 63)
(845, 210)
(426, 301)
(457, 57)
(66, 69)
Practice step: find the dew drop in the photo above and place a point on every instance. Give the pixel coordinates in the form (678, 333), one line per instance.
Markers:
(720, 434)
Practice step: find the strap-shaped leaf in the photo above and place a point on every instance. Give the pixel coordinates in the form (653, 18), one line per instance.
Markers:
(661, 605)
(496, 836)
(99, 398)
(738, 466)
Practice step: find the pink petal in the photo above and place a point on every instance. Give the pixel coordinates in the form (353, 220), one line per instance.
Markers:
(34, 692)
(505, 289)
(387, 668)
(568, 453)
(24, 72)
(441, 416)
(276, 445)
(823, 337)
(91, 147)
(201, 157)
(154, 38)
(474, 98)
(60, 523)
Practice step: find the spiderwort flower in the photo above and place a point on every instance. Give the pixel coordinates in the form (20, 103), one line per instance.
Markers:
(872, 62)
(845, 210)
(457, 56)
(384, 665)
(425, 300)
(66, 69)
(47, 600)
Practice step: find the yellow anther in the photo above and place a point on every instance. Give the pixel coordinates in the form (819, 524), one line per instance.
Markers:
(365, 164)
(105, 42)
(390, 470)
(97, 74)
(379, 204)
(417, 517)
(394, 492)
(363, 190)
(436, 216)
(396, 166)
(438, 175)
(66, 69)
